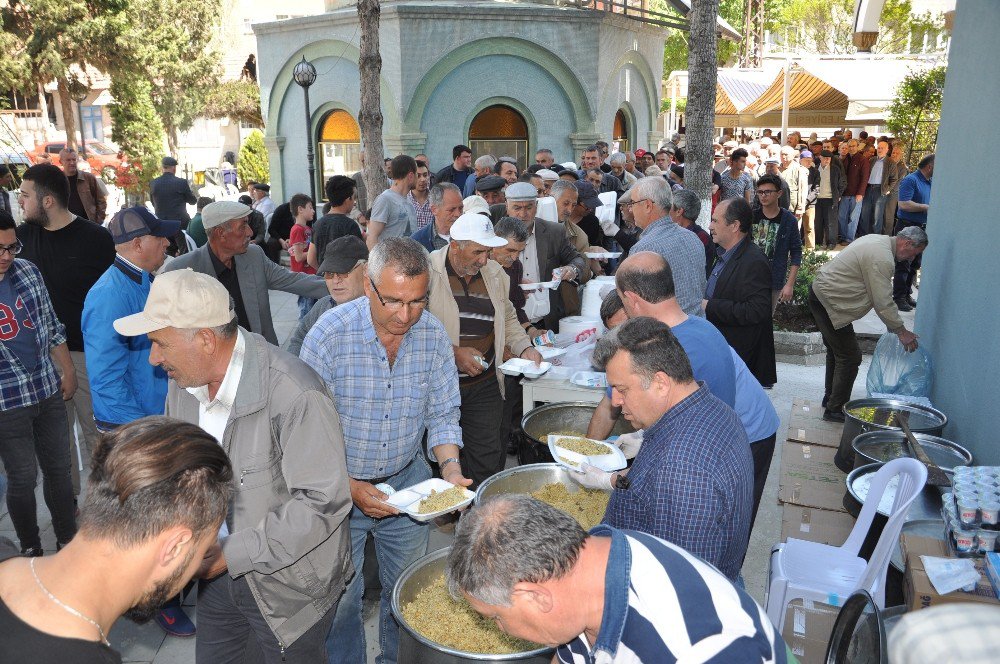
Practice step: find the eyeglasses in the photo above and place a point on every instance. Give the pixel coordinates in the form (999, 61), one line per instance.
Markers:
(396, 305)
(765, 192)
(631, 203)
(12, 249)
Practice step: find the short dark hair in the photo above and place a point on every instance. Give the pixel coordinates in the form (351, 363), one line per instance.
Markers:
(926, 161)
(297, 202)
(154, 473)
(652, 346)
(49, 180)
(592, 148)
(738, 153)
(503, 160)
(651, 285)
(7, 222)
(510, 228)
(739, 210)
(339, 188)
(203, 201)
(401, 166)
(458, 150)
(611, 305)
(770, 178)
(421, 163)
(534, 168)
(885, 139)
(863, 134)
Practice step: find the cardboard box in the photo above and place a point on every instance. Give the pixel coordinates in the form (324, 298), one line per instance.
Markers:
(815, 525)
(810, 478)
(806, 425)
(807, 629)
(918, 590)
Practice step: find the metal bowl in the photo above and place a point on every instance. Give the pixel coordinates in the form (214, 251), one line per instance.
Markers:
(923, 419)
(415, 648)
(872, 447)
(525, 479)
(548, 418)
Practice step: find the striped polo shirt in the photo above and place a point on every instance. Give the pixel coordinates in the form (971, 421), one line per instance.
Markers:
(475, 318)
(663, 605)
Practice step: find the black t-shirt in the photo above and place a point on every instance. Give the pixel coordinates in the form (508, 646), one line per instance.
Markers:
(71, 259)
(75, 204)
(228, 278)
(281, 222)
(20, 642)
(329, 228)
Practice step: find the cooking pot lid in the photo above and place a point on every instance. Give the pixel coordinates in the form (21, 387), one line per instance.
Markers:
(859, 633)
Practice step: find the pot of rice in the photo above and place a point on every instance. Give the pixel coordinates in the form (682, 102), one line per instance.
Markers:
(570, 418)
(436, 629)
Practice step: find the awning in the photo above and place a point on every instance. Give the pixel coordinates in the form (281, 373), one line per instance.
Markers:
(738, 88)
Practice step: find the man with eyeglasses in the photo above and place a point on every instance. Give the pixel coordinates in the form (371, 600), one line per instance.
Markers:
(342, 270)
(243, 268)
(776, 232)
(32, 416)
(383, 360)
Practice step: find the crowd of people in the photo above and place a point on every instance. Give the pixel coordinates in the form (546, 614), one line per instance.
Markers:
(153, 333)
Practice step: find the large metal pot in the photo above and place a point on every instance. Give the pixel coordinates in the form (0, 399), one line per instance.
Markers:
(923, 419)
(884, 446)
(554, 417)
(414, 648)
(525, 479)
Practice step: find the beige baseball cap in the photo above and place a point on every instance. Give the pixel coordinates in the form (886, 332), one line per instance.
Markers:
(183, 299)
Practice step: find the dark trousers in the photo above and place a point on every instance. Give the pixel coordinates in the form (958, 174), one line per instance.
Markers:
(32, 437)
(761, 451)
(843, 356)
(510, 425)
(869, 206)
(825, 223)
(232, 630)
(484, 453)
(906, 271)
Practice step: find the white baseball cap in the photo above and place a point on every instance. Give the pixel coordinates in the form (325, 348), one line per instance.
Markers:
(478, 229)
(183, 299)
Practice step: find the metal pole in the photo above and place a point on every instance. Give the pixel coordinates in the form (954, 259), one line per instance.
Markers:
(785, 100)
(309, 148)
(83, 141)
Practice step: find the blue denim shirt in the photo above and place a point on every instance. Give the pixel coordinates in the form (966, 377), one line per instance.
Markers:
(720, 265)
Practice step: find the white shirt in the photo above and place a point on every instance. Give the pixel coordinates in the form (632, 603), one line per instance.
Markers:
(536, 305)
(213, 414)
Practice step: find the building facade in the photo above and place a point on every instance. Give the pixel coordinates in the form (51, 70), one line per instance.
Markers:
(502, 77)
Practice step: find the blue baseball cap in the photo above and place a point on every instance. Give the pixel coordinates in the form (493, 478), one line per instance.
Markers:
(137, 221)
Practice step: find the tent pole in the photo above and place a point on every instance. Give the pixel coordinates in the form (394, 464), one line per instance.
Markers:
(785, 99)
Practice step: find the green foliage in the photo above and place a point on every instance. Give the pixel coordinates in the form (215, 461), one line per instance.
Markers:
(675, 48)
(811, 262)
(137, 129)
(915, 112)
(252, 164)
(237, 100)
(681, 105)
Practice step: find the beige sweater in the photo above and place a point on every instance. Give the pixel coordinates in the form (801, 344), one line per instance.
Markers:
(859, 279)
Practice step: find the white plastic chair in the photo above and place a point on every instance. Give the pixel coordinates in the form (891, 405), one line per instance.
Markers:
(830, 574)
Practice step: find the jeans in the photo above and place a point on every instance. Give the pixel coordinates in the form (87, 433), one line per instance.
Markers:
(844, 212)
(485, 453)
(399, 541)
(33, 436)
(879, 222)
(232, 630)
(843, 356)
(80, 408)
(305, 304)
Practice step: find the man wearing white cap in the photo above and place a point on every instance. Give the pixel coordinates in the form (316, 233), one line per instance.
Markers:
(243, 268)
(271, 584)
(469, 293)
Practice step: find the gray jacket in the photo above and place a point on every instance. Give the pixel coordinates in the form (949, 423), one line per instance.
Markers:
(293, 344)
(257, 275)
(290, 535)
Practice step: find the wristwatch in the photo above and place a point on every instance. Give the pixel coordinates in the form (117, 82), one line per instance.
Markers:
(442, 464)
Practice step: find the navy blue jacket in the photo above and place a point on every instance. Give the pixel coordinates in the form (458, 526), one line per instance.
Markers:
(425, 236)
(787, 246)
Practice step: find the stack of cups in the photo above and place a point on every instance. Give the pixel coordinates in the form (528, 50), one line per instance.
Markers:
(973, 508)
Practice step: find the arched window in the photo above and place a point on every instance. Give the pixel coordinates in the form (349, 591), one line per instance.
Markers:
(620, 134)
(339, 146)
(500, 131)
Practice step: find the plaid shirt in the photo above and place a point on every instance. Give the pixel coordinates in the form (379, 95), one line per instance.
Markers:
(385, 409)
(424, 214)
(19, 388)
(686, 255)
(692, 482)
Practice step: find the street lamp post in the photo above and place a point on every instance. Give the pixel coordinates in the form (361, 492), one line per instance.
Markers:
(78, 92)
(305, 75)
